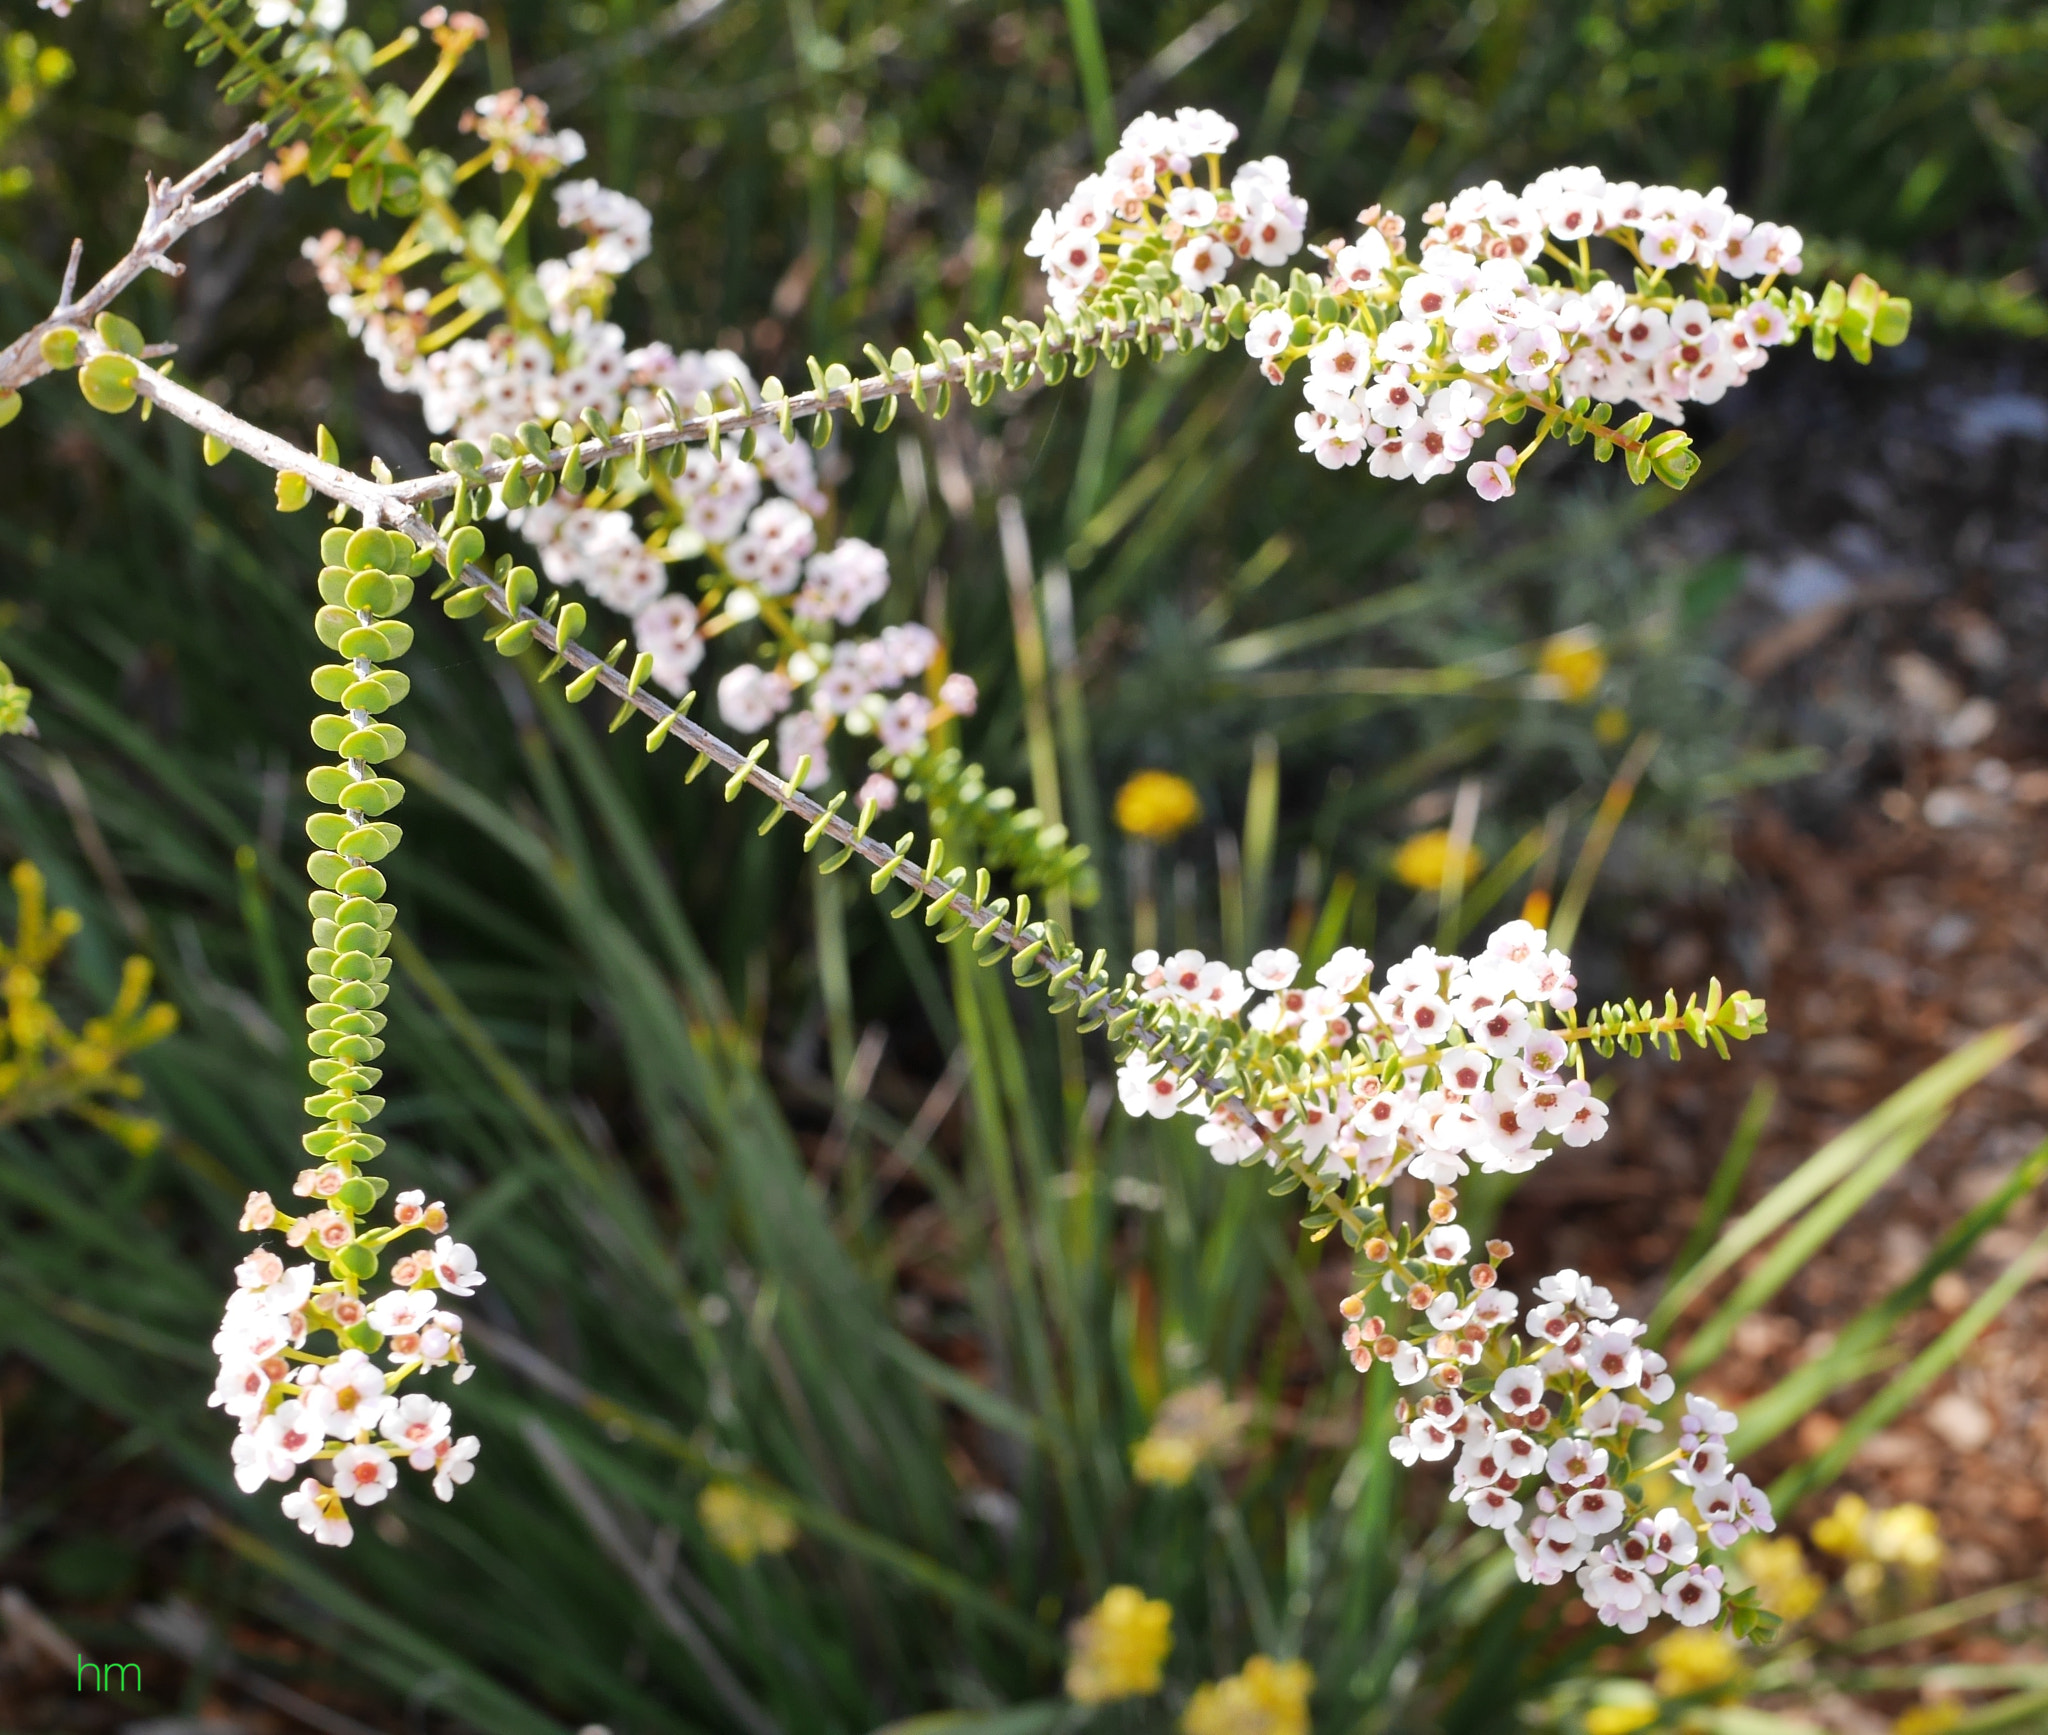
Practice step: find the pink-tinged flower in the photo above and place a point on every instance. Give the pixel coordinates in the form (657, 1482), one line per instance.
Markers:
(258, 1460)
(364, 1474)
(417, 1424)
(1493, 478)
(240, 1388)
(1692, 1597)
(959, 694)
(402, 1311)
(1269, 333)
(261, 1269)
(454, 1464)
(258, 1213)
(318, 1511)
(455, 1267)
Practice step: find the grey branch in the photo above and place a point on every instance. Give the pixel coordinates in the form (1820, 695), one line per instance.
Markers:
(172, 211)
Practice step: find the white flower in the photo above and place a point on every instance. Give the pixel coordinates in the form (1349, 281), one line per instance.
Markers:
(350, 1395)
(416, 1424)
(1273, 970)
(1612, 1359)
(454, 1464)
(1493, 1508)
(1361, 263)
(1203, 132)
(1191, 207)
(750, 698)
(1585, 1115)
(364, 1474)
(1409, 1365)
(1269, 333)
(240, 1388)
(1148, 1088)
(318, 1511)
(1201, 263)
(455, 1267)
(258, 1459)
(1692, 1597)
(1574, 1461)
(402, 1311)
(1704, 1416)
(1518, 1390)
(1446, 1244)
(1595, 1511)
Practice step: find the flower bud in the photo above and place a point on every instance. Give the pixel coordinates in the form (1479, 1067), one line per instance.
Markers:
(1484, 1277)
(1499, 1251)
(1375, 1249)
(1386, 1349)
(1420, 1295)
(1353, 1306)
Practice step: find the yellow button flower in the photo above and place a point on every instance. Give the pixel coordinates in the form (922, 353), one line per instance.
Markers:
(741, 1524)
(1693, 1659)
(1192, 1427)
(1157, 806)
(1117, 1649)
(1575, 662)
(1420, 862)
(1264, 1698)
(1778, 1570)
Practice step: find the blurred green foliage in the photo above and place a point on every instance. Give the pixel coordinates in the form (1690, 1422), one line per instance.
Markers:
(800, 1204)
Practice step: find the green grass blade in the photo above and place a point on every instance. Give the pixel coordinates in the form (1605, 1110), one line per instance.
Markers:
(1727, 1181)
(1801, 1243)
(1863, 1346)
(1920, 1373)
(1932, 1090)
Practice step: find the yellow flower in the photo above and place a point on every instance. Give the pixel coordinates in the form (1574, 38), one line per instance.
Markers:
(1778, 1570)
(1116, 1649)
(1907, 1536)
(1265, 1698)
(1165, 1461)
(1157, 806)
(741, 1524)
(1841, 1531)
(1693, 1659)
(1620, 1719)
(1192, 1426)
(1928, 1719)
(1421, 860)
(1575, 662)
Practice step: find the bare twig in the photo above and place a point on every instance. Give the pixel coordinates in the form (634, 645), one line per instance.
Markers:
(173, 210)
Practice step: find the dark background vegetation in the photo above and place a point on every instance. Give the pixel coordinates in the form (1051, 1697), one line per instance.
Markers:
(615, 1049)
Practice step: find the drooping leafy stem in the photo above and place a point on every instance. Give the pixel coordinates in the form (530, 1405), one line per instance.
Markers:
(366, 583)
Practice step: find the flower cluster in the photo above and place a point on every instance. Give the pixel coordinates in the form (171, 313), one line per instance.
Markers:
(1118, 1649)
(296, 1407)
(1504, 311)
(1147, 202)
(764, 558)
(515, 127)
(1496, 317)
(1451, 1065)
